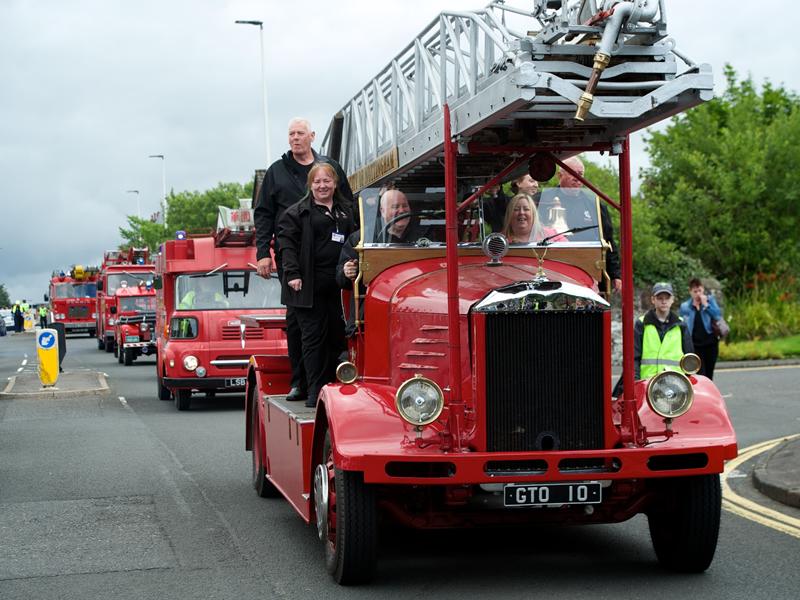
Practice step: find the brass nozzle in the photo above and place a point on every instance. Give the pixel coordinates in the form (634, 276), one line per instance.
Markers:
(584, 104)
(601, 61)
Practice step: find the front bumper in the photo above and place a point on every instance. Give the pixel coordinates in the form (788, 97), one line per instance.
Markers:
(203, 383)
(79, 327)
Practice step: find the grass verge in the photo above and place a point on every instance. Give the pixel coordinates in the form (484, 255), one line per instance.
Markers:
(759, 349)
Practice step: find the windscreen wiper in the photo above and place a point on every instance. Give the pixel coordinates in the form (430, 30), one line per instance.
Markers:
(546, 240)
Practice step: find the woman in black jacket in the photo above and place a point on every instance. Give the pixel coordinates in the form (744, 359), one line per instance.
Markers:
(311, 233)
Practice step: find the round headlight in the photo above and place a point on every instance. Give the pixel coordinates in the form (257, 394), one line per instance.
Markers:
(190, 362)
(144, 326)
(419, 401)
(346, 372)
(690, 363)
(670, 394)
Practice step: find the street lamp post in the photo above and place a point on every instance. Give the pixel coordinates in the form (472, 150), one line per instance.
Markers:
(138, 207)
(163, 185)
(263, 86)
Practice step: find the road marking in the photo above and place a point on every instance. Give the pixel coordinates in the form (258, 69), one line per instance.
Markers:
(761, 368)
(24, 362)
(123, 401)
(20, 369)
(748, 509)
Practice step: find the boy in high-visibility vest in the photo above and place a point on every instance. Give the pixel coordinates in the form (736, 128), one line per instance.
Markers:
(660, 337)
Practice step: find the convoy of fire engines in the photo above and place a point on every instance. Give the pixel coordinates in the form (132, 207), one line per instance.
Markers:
(477, 389)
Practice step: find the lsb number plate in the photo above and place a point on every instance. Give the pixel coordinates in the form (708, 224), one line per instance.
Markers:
(236, 382)
(546, 494)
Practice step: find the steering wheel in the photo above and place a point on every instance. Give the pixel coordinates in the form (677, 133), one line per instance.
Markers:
(393, 220)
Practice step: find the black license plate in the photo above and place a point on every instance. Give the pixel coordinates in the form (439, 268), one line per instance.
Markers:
(547, 494)
(236, 382)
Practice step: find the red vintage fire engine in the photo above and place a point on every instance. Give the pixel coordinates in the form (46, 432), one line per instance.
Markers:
(129, 267)
(205, 284)
(72, 299)
(134, 316)
(479, 385)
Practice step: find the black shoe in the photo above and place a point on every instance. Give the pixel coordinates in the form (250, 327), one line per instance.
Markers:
(296, 394)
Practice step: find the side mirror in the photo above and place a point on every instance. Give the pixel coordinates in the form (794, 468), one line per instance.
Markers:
(113, 310)
(158, 282)
(46, 298)
(99, 285)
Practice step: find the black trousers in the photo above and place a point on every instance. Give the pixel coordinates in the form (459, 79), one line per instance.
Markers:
(294, 342)
(323, 340)
(708, 357)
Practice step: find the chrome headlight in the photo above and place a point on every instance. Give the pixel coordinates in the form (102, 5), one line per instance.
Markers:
(190, 362)
(690, 363)
(346, 372)
(111, 322)
(670, 394)
(144, 326)
(419, 401)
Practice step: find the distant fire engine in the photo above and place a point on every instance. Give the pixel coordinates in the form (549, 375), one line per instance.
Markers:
(205, 284)
(134, 322)
(127, 267)
(71, 297)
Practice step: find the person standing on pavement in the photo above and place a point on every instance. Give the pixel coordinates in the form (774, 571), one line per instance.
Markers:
(16, 311)
(311, 234)
(660, 337)
(699, 311)
(42, 316)
(284, 184)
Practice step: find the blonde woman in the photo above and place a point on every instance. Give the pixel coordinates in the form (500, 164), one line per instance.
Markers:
(521, 224)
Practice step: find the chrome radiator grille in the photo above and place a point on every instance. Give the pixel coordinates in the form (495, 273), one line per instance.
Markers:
(78, 312)
(544, 381)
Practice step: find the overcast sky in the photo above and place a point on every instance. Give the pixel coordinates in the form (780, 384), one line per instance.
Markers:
(90, 88)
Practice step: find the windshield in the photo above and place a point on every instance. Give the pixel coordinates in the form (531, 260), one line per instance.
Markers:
(226, 290)
(114, 280)
(137, 304)
(75, 290)
(393, 217)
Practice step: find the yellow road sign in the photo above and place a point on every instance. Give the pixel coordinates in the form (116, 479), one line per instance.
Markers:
(47, 349)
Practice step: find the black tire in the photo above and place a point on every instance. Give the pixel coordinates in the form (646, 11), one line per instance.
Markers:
(118, 353)
(684, 525)
(163, 393)
(101, 343)
(350, 543)
(110, 345)
(127, 357)
(261, 484)
(182, 398)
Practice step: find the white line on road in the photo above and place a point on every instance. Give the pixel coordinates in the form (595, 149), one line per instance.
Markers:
(20, 369)
(24, 362)
(748, 509)
(123, 401)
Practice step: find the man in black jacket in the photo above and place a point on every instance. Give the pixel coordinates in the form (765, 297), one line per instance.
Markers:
(283, 185)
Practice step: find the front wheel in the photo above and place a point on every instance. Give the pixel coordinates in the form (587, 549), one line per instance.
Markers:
(127, 356)
(101, 343)
(183, 399)
(684, 525)
(346, 520)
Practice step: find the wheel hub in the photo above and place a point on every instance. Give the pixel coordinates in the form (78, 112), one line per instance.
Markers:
(321, 500)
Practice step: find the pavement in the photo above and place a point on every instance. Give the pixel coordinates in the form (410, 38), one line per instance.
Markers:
(70, 383)
(778, 473)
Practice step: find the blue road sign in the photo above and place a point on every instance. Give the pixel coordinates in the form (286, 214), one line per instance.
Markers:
(46, 340)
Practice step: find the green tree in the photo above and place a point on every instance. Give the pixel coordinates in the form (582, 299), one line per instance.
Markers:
(724, 182)
(4, 299)
(188, 211)
(197, 211)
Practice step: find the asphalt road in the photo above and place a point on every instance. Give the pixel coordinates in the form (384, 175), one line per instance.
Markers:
(122, 496)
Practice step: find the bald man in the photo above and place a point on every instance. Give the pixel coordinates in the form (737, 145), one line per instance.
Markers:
(579, 205)
(402, 231)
